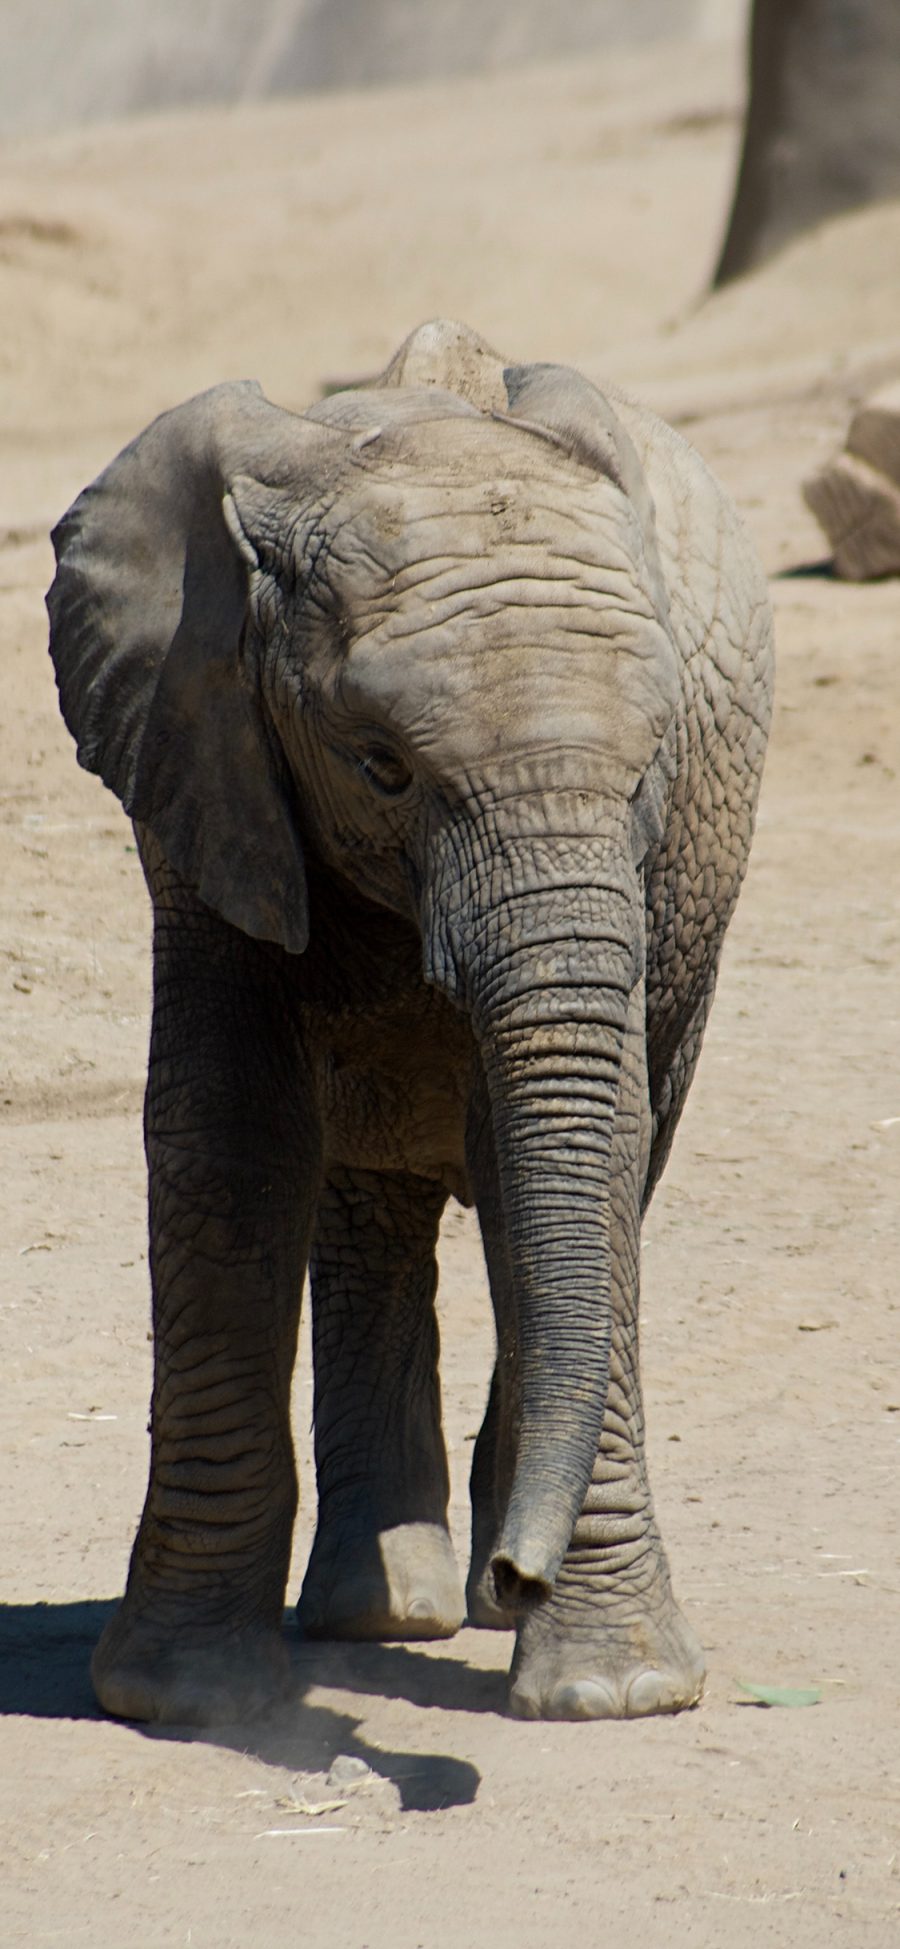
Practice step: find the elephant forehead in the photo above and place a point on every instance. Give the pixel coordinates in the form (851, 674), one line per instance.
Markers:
(534, 672)
(437, 570)
(467, 521)
(502, 596)
(514, 653)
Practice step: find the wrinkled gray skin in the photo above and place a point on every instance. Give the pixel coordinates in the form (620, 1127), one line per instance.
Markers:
(440, 711)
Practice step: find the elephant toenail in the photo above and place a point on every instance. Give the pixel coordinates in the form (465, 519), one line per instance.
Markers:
(649, 1692)
(584, 1698)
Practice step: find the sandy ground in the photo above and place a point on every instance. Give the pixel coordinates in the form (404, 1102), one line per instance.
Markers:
(570, 213)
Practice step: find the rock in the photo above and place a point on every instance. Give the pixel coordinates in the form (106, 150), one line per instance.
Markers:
(856, 496)
(875, 433)
(347, 1770)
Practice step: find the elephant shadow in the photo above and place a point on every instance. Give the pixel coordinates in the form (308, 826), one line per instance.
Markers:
(44, 1674)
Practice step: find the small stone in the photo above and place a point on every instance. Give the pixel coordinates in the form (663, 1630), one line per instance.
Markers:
(347, 1770)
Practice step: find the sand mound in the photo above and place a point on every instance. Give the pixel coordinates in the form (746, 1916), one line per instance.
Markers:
(823, 312)
(561, 212)
(568, 213)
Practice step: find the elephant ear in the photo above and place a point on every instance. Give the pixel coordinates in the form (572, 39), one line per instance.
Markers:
(149, 616)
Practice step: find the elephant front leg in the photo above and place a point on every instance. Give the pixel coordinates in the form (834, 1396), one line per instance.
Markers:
(382, 1564)
(232, 1156)
(610, 1641)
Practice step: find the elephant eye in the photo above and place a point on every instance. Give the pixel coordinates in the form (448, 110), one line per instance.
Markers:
(385, 770)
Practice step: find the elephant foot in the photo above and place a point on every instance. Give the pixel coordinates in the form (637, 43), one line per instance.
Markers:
(399, 1583)
(155, 1671)
(624, 1663)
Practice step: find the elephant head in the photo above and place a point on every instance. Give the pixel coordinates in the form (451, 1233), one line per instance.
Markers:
(428, 644)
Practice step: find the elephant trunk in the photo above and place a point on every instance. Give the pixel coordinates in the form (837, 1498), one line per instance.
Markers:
(546, 973)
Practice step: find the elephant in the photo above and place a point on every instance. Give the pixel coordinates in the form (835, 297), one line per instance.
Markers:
(822, 133)
(440, 712)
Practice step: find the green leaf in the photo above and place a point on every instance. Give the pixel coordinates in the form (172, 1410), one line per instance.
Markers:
(781, 1694)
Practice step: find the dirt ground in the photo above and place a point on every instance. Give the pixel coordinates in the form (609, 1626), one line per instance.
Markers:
(573, 213)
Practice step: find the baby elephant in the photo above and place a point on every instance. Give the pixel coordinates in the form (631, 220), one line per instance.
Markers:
(440, 711)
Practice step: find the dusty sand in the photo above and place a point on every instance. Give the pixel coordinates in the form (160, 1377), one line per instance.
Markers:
(571, 213)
